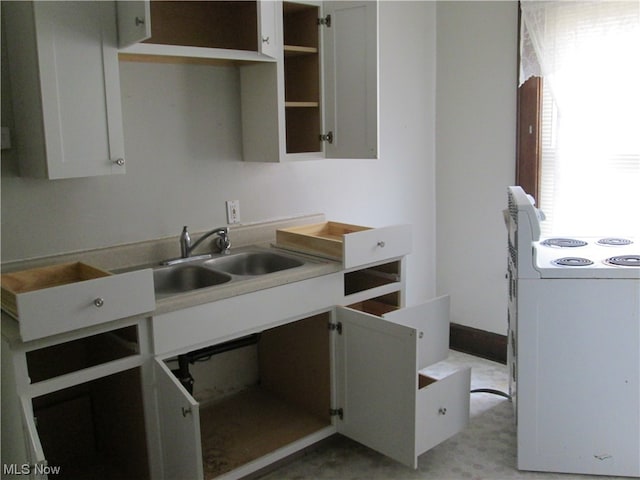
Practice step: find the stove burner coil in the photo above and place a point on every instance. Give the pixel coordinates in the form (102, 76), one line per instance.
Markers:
(573, 262)
(563, 242)
(616, 242)
(624, 261)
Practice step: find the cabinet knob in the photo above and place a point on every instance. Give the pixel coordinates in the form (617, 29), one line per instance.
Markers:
(442, 411)
(186, 411)
(381, 244)
(266, 40)
(139, 21)
(119, 162)
(98, 302)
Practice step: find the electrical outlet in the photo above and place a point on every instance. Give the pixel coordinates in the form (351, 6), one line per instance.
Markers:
(233, 211)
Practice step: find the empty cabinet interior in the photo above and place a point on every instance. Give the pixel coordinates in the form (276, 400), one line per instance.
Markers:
(220, 24)
(96, 429)
(368, 278)
(259, 398)
(302, 77)
(75, 355)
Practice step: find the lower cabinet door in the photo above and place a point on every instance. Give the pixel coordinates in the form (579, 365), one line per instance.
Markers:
(35, 452)
(179, 427)
(386, 403)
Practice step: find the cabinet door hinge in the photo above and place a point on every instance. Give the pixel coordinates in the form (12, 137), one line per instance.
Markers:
(326, 137)
(336, 412)
(326, 21)
(336, 327)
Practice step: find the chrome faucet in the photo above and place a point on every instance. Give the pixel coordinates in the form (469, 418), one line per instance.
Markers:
(222, 242)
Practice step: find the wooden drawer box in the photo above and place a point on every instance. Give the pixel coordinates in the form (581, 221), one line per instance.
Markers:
(352, 244)
(66, 297)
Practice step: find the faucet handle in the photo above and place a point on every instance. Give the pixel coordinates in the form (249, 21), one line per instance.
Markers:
(185, 242)
(222, 241)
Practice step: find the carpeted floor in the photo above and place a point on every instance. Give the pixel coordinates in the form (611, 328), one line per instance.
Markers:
(485, 450)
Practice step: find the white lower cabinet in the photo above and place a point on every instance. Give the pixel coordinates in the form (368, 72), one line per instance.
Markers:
(351, 370)
(75, 407)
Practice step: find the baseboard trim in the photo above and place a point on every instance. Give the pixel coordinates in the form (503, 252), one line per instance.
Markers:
(480, 343)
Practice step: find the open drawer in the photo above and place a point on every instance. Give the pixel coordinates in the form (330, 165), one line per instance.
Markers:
(387, 404)
(352, 244)
(62, 298)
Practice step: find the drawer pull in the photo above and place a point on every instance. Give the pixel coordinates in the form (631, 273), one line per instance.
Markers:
(139, 21)
(266, 40)
(98, 302)
(186, 411)
(381, 244)
(442, 411)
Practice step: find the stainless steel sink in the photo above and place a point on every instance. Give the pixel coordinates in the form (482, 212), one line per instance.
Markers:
(184, 278)
(253, 263)
(185, 275)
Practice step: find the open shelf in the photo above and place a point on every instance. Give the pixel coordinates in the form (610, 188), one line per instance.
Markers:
(295, 50)
(302, 78)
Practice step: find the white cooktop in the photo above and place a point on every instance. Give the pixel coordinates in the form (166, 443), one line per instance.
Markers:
(587, 257)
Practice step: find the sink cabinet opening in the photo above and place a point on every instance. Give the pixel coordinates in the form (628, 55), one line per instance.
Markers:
(75, 355)
(96, 429)
(372, 277)
(259, 398)
(220, 24)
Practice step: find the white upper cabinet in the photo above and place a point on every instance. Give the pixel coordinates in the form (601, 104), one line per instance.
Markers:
(326, 86)
(226, 30)
(63, 63)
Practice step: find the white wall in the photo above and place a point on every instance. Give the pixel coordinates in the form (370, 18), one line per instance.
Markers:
(183, 161)
(475, 131)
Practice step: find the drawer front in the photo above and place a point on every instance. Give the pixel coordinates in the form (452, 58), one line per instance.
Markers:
(442, 409)
(431, 321)
(70, 307)
(370, 246)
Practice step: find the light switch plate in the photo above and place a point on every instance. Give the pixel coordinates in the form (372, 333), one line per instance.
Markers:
(233, 211)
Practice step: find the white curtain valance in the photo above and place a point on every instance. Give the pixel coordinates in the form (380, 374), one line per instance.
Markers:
(560, 34)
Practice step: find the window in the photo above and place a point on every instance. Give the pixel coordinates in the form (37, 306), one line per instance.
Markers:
(582, 117)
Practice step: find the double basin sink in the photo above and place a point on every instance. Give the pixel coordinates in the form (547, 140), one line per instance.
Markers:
(219, 269)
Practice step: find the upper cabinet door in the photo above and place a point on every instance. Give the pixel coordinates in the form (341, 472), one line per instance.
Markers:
(134, 22)
(66, 89)
(351, 79)
(268, 43)
(179, 427)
